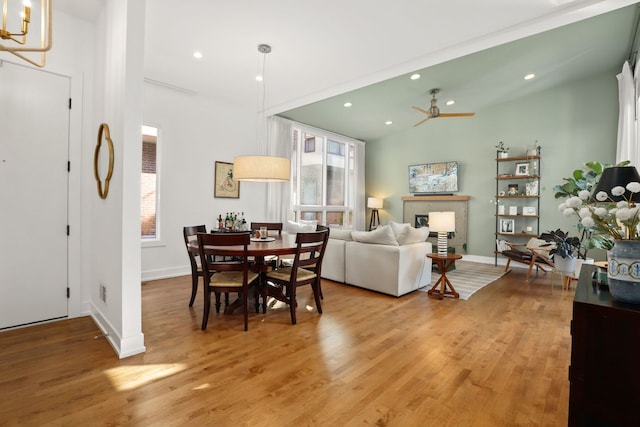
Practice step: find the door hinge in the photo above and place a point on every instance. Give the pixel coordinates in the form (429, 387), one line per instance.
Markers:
(68, 292)
(69, 103)
(68, 230)
(68, 166)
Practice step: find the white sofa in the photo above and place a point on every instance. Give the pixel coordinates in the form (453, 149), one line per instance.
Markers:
(393, 263)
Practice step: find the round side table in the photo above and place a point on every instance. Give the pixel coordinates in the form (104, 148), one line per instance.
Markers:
(443, 262)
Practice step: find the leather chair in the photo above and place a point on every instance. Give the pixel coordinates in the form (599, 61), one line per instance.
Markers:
(534, 253)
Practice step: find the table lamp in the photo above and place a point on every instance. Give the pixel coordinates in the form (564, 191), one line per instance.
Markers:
(374, 204)
(443, 223)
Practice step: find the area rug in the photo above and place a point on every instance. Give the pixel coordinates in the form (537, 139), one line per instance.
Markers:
(469, 277)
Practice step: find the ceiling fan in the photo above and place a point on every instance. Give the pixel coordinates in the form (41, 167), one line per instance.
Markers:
(434, 111)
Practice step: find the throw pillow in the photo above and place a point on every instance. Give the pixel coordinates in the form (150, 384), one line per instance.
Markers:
(397, 227)
(410, 235)
(381, 236)
(301, 226)
(336, 233)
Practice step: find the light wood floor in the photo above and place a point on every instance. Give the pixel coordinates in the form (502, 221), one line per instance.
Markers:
(499, 359)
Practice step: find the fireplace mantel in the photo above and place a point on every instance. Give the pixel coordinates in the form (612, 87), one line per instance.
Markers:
(422, 205)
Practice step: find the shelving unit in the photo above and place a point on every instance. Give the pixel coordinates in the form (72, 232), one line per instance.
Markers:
(518, 198)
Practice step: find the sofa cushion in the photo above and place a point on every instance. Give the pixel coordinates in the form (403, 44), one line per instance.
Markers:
(340, 234)
(410, 235)
(382, 236)
(301, 226)
(397, 227)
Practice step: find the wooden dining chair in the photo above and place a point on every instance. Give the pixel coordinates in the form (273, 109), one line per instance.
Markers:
(306, 270)
(190, 233)
(225, 275)
(271, 260)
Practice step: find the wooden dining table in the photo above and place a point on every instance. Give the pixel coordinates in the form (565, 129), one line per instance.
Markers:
(281, 244)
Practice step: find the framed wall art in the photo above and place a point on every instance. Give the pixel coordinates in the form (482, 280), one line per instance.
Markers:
(522, 169)
(507, 226)
(223, 183)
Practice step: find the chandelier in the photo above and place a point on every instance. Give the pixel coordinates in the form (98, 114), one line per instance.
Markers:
(262, 168)
(15, 29)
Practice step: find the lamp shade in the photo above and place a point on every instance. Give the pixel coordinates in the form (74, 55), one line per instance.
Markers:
(374, 203)
(617, 176)
(442, 221)
(261, 169)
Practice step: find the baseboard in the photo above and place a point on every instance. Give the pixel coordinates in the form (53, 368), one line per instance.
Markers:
(165, 273)
(123, 347)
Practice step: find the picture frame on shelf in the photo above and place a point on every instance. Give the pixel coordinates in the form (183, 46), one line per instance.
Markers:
(513, 210)
(522, 169)
(529, 211)
(507, 226)
(500, 209)
(531, 188)
(223, 183)
(513, 190)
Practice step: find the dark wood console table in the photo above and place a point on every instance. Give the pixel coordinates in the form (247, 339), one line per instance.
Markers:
(605, 357)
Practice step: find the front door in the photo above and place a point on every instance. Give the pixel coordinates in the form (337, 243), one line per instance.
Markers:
(34, 145)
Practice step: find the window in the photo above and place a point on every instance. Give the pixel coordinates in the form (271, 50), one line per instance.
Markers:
(323, 186)
(149, 184)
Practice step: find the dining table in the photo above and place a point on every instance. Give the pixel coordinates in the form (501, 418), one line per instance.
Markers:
(277, 244)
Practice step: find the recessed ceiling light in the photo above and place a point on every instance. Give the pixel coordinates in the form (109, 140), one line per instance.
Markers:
(415, 76)
(197, 54)
(388, 122)
(348, 104)
(451, 102)
(529, 76)
(258, 78)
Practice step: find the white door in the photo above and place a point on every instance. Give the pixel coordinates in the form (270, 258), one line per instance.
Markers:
(34, 145)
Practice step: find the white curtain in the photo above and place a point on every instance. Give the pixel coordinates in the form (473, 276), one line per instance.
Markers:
(627, 148)
(279, 142)
(359, 206)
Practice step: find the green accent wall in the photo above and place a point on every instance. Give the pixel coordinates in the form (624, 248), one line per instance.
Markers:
(574, 123)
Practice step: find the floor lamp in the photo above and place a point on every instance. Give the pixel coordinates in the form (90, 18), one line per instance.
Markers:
(374, 204)
(443, 223)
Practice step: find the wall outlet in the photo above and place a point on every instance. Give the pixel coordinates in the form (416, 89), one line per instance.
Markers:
(103, 293)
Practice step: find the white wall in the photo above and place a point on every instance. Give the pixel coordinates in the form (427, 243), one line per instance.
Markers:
(195, 132)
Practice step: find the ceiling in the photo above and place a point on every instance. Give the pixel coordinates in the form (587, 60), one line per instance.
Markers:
(325, 53)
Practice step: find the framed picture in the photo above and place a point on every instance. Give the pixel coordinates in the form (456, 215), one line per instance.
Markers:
(223, 182)
(422, 221)
(531, 188)
(500, 209)
(529, 210)
(507, 226)
(522, 169)
(513, 210)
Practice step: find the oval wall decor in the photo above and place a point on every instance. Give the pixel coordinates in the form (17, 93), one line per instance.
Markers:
(103, 131)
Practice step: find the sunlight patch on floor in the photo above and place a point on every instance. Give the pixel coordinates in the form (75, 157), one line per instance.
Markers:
(130, 377)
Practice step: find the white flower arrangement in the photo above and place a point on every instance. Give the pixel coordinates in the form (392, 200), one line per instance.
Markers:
(606, 219)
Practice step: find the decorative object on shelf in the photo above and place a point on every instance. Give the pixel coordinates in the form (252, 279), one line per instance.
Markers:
(374, 204)
(224, 185)
(522, 169)
(503, 152)
(262, 168)
(18, 38)
(531, 188)
(513, 190)
(103, 131)
(513, 210)
(507, 226)
(529, 211)
(534, 150)
(501, 209)
(442, 223)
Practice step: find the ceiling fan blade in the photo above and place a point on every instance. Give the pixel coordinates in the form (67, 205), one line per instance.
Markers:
(456, 114)
(422, 111)
(421, 122)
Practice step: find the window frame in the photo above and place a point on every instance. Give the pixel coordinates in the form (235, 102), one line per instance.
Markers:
(156, 241)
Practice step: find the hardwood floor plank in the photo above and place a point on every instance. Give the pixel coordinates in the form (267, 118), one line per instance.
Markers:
(500, 358)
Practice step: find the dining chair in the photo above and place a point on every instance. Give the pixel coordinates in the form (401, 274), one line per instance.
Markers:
(190, 233)
(306, 270)
(222, 274)
(271, 260)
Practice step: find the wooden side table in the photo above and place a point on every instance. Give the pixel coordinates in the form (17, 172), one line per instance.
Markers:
(443, 263)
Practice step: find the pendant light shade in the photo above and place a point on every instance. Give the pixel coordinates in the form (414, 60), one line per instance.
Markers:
(261, 168)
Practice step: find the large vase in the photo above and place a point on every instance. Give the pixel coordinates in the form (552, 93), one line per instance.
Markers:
(623, 272)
